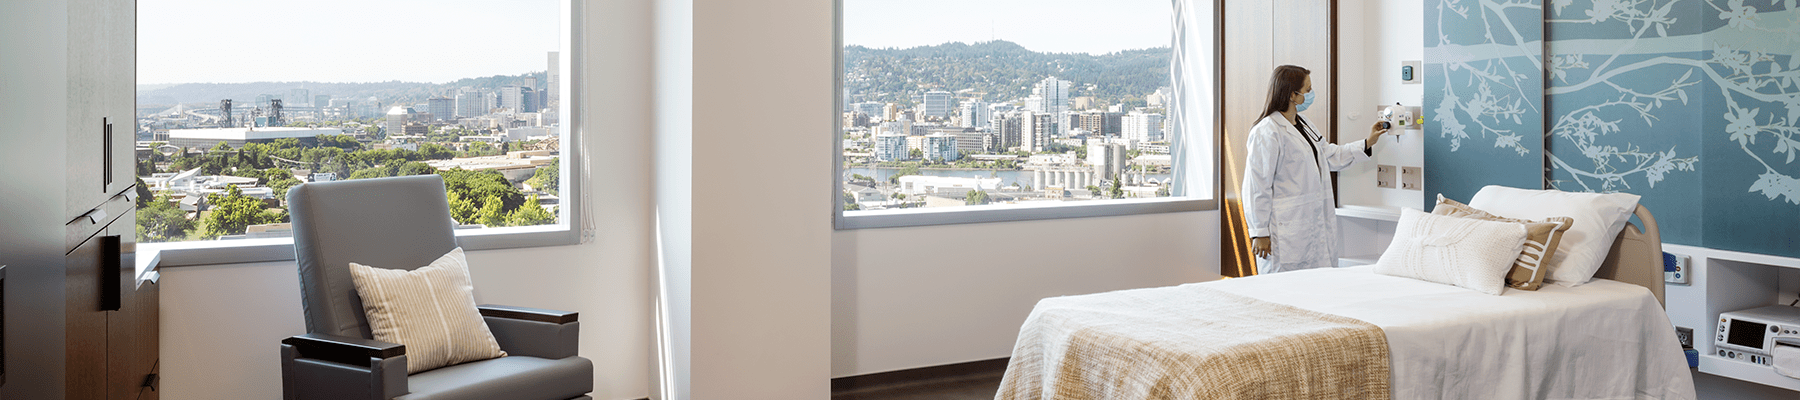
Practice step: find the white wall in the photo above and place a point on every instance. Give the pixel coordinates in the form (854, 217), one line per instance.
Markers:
(1374, 37)
(761, 247)
(922, 296)
(221, 324)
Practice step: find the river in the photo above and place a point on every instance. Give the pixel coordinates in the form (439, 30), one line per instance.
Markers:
(1007, 177)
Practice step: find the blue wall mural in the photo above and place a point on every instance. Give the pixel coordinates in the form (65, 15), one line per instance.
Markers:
(1692, 104)
(1484, 95)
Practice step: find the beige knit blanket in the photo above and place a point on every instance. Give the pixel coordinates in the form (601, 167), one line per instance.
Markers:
(1191, 342)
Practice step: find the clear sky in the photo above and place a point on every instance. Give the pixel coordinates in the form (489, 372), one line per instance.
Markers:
(1060, 26)
(233, 41)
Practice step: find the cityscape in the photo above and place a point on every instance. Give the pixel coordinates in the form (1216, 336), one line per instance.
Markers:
(214, 161)
(992, 123)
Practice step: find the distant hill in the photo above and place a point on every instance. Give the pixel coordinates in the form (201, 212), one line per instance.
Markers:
(391, 92)
(1003, 70)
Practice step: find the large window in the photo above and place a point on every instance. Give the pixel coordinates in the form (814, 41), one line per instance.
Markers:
(240, 101)
(972, 111)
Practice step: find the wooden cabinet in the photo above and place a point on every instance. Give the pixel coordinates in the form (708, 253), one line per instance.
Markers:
(110, 320)
(74, 323)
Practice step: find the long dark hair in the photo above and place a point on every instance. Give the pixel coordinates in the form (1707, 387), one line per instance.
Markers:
(1287, 81)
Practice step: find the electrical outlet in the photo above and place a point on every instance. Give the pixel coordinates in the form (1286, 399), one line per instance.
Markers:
(1412, 178)
(1686, 336)
(1386, 176)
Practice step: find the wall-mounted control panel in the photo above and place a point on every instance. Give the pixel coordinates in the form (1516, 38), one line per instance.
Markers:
(1675, 268)
(1412, 178)
(1411, 73)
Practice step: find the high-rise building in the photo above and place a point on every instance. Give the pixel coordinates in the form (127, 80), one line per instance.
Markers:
(1051, 96)
(1099, 122)
(441, 108)
(397, 118)
(890, 147)
(935, 104)
(1007, 129)
(297, 98)
(1143, 127)
(553, 88)
(940, 147)
(469, 103)
(518, 98)
(890, 112)
(321, 100)
(1036, 131)
(975, 113)
(968, 140)
(262, 100)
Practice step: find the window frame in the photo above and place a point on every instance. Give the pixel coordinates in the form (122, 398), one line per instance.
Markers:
(569, 231)
(1022, 212)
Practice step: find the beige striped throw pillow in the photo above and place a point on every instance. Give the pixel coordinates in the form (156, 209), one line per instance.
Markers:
(430, 310)
(1541, 240)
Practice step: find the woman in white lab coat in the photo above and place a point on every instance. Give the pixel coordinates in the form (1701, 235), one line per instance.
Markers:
(1287, 198)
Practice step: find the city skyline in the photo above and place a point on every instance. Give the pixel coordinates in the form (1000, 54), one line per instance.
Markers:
(311, 41)
(1111, 25)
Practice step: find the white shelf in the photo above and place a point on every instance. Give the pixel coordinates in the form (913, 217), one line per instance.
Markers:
(1744, 371)
(1370, 212)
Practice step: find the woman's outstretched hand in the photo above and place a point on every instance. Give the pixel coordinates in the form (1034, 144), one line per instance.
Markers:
(1375, 132)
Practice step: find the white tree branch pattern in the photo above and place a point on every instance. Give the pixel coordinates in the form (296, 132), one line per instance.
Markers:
(1740, 74)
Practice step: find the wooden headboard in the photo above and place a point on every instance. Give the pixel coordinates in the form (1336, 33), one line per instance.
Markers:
(1636, 256)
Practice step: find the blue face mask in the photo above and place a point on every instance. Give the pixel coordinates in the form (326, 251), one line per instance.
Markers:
(1304, 104)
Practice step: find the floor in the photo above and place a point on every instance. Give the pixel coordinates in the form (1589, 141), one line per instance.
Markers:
(983, 385)
(966, 387)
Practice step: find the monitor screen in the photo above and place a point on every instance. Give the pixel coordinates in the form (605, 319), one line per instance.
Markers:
(1746, 333)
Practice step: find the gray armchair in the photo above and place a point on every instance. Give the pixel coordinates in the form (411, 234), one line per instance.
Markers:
(404, 222)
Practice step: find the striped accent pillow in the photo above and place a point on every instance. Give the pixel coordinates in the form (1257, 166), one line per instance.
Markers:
(430, 310)
(1541, 240)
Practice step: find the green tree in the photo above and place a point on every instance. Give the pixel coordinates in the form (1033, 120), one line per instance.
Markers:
(530, 214)
(1162, 191)
(230, 212)
(1093, 189)
(462, 209)
(372, 172)
(976, 198)
(345, 142)
(909, 169)
(432, 151)
(143, 193)
(548, 177)
(916, 154)
(160, 220)
(415, 168)
(1117, 191)
(491, 214)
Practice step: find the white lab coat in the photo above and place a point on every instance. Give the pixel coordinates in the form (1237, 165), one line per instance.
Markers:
(1287, 194)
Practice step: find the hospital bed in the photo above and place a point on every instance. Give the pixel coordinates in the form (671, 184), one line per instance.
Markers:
(1607, 339)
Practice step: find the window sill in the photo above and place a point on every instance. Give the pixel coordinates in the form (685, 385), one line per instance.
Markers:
(215, 252)
(1017, 212)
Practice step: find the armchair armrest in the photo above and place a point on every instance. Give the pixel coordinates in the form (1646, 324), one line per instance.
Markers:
(343, 349)
(533, 332)
(320, 366)
(528, 314)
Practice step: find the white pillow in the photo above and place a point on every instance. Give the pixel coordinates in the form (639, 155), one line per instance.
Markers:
(1598, 219)
(1465, 252)
(431, 310)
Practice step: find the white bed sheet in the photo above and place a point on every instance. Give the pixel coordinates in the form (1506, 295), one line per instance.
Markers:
(1602, 340)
